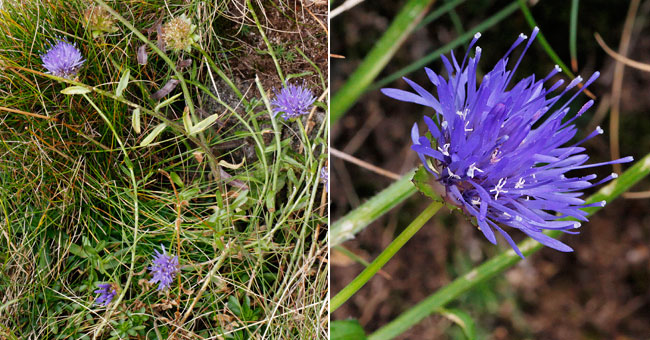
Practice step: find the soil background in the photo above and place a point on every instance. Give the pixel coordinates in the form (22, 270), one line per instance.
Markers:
(600, 291)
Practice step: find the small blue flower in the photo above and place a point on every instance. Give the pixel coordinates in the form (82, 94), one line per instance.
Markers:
(499, 149)
(106, 294)
(164, 269)
(324, 177)
(292, 101)
(63, 60)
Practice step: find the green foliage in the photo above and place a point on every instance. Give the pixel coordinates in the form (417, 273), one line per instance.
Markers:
(347, 330)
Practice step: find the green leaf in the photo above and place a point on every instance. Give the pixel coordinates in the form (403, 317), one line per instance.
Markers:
(177, 179)
(135, 120)
(462, 319)
(156, 131)
(422, 181)
(187, 121)
(124, 81)
(346, 330)
(166, 102)
(75, 90)
(234, 306)
(204, 124)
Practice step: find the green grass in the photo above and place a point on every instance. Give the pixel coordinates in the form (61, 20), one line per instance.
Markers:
(240, 203)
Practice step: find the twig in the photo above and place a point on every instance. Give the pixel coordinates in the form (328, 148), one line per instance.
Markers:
(363, 164)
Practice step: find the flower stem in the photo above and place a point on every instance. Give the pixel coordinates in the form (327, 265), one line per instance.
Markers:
(383, 258)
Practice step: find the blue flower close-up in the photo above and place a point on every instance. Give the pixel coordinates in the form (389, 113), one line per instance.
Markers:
(293, 101)
(63, 60)
(106, 294)
(164, 269)
(502, 152)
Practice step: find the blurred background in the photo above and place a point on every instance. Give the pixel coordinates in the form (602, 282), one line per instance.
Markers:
(601, 291)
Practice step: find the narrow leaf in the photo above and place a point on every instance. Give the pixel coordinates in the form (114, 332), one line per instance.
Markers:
(462, 319)
(124, 81)
(156, 131)
(187, 121)
(346, 330)
(204, 124)
(135, 120)
(166, 102)
(75, 90)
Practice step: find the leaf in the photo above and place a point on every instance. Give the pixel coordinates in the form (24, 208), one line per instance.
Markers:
(347, 330)
(232, 166)
(234, 306)
(156, 131)
(422, 181)
(204, 124)
(177, 179)
(187, 122)
(75, 90)
(462, 319)
(135, 120)
(124, 82)
(166, 102)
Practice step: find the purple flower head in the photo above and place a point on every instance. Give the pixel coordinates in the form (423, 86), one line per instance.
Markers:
(495, 155)
(324, 177)
(293, 101)
(164, 269)
(106, 294)
(63, 60)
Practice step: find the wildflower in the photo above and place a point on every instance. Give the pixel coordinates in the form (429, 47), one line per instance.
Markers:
(293, 101)
(99, 21)
(164, 269)
(106, 294)
(63, 60)
(178, 34)
(324, 177)
(497, 159)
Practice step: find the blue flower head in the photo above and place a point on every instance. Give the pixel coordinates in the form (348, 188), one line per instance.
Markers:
(496, 155)
(106, 294)
(63, 60)
(164, 269)
(292, 101)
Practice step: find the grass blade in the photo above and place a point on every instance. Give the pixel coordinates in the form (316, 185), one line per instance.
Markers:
(401, 27)
(156, 131)
(573, 33)
(502, 261)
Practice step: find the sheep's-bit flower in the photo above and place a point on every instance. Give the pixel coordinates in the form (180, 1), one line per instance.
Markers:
(324, 177)
(178, 34)
(293, 101)
(164, 269)
(106, 294)
(497, 159)
(99, 21)
(63, 60)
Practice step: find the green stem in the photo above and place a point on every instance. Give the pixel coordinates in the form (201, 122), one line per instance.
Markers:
(573, 32)
(347, 226)
(502, 261)
(401, 27)
(266, 40)
(385, 255)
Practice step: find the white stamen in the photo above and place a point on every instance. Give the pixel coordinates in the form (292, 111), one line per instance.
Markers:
(466, 128)
(523, 36)
(558, 68)
(602, 203)
(506, 214)
(477, 35)
(614, 175)
(445, 149)
(576, 225)
(518, 218)
(444, 124)
(499, 188)
(471, 169)
(600, 130)
(476, 200)
(520, 183)
(527, 198)
(495, 154)
(452, 175)
(463, 113)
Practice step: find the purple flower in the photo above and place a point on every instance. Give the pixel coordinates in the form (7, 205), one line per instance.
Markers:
(106, 294)
(63, 60)
(293, 101)
(164, 269)
(496, 156)
(324, 177)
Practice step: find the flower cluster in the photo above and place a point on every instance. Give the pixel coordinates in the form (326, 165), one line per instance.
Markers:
(99, 21)
(164, 269)
(497, 157)
(63, 60)
(106, 294)
(293, 101)
(179, 35)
